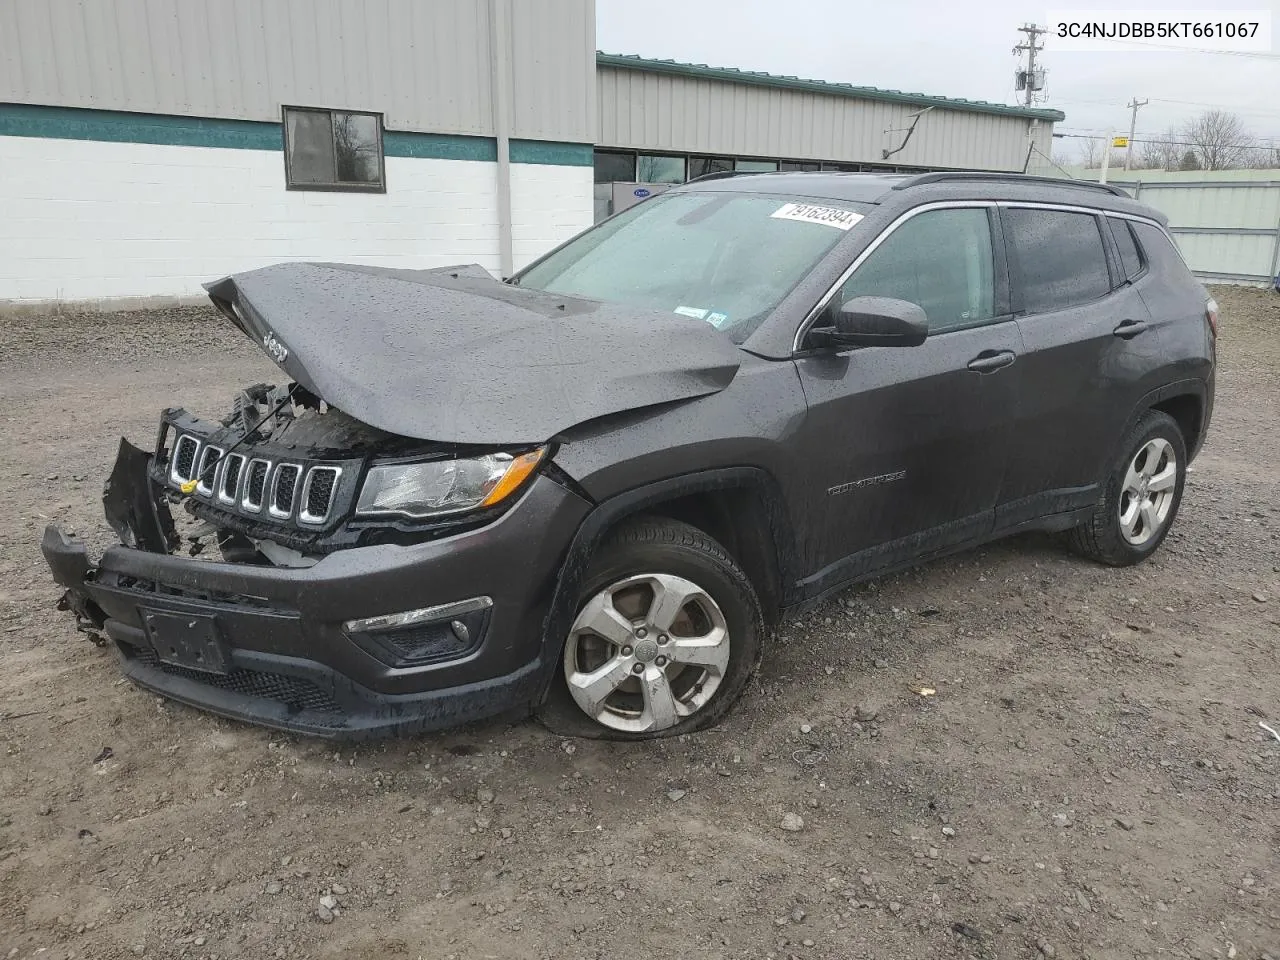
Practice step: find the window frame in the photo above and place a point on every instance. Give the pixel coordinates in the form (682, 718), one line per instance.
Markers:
(649, 154)
(1000, 304)
(1144, 262)
(1016, 284)
(338, 186)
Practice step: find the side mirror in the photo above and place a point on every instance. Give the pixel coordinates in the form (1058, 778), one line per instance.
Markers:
(875, 322)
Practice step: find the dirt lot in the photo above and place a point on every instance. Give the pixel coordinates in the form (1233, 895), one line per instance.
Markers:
(1090, 779)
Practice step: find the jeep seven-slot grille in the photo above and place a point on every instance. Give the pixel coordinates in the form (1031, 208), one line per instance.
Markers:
(231, 478)
(261, 487)
(209, 460)
(282, 493)
(318, 494)
(256, 485)
(184, 457)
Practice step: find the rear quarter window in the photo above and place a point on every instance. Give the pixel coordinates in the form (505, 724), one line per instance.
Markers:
(1157, 246)
(1130, 256)
(1059, 257)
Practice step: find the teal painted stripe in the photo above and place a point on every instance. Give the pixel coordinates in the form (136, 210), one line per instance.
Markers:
(553, 152)
(438, 146)
(67, 123)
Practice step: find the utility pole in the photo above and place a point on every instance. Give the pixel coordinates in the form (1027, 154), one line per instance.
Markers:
(1133, 106)
(1031, 84)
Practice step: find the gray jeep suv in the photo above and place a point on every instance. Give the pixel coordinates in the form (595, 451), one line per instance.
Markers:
(589, 491)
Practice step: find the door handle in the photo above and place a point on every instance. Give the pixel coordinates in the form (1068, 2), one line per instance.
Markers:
(989, 361)
(1129, 329)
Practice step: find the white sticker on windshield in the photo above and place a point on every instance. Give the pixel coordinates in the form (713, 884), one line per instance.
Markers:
(812, 213)
(696, 312)
(717, 320)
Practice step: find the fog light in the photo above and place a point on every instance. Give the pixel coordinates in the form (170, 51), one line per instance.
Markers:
(412, 638)
(408, 618)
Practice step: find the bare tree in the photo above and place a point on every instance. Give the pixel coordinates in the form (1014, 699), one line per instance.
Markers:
(1162, 152)
(356, 143)
(1263, 157)
(1091, 153)
(1219, 140)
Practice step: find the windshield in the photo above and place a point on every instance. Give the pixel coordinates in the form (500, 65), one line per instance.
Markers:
(726, 258)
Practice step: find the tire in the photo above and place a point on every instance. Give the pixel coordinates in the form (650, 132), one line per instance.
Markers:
(702, 651)
(1121, 531)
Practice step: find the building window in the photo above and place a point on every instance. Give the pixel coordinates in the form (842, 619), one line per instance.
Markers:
(333, 150)
(615, 167)
(653, 169)
(797, 166)
(756, 166)
(701, 166)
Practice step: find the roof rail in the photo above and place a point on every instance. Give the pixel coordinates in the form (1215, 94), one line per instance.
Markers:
(952, 176)
(723, 175)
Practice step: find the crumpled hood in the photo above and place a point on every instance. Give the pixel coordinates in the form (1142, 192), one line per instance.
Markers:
(453, 355)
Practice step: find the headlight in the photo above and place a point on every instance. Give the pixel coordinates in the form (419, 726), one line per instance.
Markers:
(444, 486)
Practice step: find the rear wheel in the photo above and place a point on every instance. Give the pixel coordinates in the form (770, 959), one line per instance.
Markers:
(667, 634)
(1141, 494)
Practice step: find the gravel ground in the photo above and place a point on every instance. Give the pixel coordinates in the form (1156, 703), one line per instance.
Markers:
(1089, 780)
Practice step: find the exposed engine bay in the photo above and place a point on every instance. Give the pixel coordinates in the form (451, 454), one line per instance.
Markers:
(274, 482)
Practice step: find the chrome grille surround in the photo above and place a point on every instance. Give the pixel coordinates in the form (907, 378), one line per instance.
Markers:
(210, 467)
(230, 477)
(305, 512)
(249, 501)
(284, 480)
(182, 464)
(261, 483)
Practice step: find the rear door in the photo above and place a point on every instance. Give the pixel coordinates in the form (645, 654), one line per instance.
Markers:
(1088, 345)
(904, 447)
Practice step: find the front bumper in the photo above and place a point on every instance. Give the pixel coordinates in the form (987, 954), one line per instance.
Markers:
(284, 658)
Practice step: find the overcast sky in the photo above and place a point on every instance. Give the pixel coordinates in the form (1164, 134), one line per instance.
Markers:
(957, 49)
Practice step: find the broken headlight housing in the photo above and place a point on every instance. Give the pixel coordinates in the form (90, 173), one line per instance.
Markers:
(435, 488)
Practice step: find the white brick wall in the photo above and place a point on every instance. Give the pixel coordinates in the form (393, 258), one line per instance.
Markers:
(549, 204)
(87, 220)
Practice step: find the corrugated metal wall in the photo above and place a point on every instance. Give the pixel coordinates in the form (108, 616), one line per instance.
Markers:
(653, 111)
(1227, 226)
(425, 64)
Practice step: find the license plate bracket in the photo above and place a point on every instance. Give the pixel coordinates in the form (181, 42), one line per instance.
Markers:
(189, 640)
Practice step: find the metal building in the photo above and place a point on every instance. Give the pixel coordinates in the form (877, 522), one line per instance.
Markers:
(147, 147)
(663, 122)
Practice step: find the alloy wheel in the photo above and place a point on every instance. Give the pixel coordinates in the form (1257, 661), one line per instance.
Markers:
(1147, 492)
(646, 652)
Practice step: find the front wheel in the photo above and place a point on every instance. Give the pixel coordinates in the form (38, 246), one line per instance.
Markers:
(1140, 496)
(667, 634)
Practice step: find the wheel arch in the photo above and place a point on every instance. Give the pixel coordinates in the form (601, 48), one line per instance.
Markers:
(742, 507)
(1187, 402)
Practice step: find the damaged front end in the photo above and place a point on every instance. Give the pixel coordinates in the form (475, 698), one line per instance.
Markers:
(293, 566)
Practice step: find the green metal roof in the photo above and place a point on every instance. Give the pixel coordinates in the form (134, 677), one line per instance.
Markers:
(732, 75)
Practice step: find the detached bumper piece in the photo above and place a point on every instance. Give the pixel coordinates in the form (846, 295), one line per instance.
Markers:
(370, 641)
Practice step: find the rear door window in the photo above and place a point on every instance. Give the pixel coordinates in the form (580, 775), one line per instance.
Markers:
(1057, 256)
(1130, 256)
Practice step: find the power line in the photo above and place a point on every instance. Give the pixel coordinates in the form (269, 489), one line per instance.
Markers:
(1260, 143)
(1187, 103)
(1258, 54)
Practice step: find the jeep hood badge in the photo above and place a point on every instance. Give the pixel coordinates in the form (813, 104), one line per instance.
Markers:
(453, 355)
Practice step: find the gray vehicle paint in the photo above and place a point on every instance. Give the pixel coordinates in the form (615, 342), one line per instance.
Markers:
(454, 356)
(860, 460)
